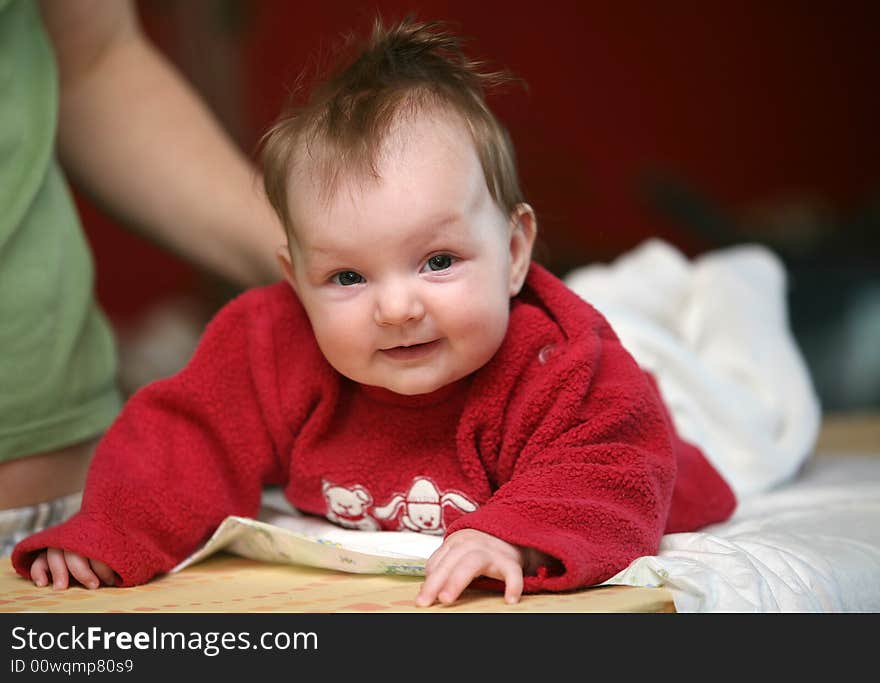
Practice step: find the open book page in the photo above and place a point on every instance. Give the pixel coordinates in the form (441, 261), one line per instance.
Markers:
(284, 535)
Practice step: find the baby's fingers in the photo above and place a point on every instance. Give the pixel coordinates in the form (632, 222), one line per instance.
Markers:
(105, 573)
(473, 566)
(81, 569)
(58, 568)
(459, 577)
(434, 581)
(40, 570)
(513, 583)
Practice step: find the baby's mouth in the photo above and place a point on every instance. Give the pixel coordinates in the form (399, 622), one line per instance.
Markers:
(411, 351)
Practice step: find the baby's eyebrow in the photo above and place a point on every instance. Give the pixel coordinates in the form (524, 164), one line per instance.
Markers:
(443, 221)
(318, 260)
(451, 227)
(323, 251)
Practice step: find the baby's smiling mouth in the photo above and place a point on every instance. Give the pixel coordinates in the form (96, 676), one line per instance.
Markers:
(411, 351)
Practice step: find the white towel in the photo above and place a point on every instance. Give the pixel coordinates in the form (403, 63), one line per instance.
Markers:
(714, 332)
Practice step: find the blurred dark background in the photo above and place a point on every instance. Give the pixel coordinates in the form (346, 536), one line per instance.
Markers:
(704, 124)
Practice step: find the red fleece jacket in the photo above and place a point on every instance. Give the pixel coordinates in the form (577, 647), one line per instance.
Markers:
(560, 443)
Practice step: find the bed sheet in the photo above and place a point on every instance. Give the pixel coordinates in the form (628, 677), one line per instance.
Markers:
(811, 545)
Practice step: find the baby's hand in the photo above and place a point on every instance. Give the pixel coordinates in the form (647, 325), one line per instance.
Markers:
(59, 564)
(464, 556)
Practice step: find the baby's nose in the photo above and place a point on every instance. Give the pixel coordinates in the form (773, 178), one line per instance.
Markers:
(398, 304)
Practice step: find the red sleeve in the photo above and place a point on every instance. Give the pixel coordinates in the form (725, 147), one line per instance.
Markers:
(184, 453)
(586, 464)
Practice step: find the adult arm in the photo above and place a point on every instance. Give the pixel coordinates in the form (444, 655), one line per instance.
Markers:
(135, 136)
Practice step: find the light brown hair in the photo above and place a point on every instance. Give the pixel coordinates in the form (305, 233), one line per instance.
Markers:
(401, 70)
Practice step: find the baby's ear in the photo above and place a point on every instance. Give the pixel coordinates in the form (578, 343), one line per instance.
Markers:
(284, 260)
(523, 230)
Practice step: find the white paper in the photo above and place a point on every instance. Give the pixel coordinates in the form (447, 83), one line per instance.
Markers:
(286, 536)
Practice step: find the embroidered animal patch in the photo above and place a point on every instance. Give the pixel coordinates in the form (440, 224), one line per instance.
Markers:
(348, 506)
(422, 507)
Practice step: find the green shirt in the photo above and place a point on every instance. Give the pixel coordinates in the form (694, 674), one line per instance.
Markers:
(57, 355)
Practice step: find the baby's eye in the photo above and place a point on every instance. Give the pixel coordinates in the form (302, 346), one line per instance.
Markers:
(347, 278)
(440, 262)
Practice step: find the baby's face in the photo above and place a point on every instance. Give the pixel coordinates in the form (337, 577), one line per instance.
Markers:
(407, 280)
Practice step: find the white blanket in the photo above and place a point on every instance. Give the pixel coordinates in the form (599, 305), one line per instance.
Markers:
(812, 545)
(714, 332)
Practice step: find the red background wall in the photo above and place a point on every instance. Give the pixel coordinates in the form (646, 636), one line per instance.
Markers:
(750, 104)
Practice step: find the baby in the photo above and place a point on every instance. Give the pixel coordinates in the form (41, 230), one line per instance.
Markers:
(417, 372)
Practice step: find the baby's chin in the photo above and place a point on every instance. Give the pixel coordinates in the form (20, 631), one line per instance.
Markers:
(415, 391)
(411, 385)
(414, 388)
